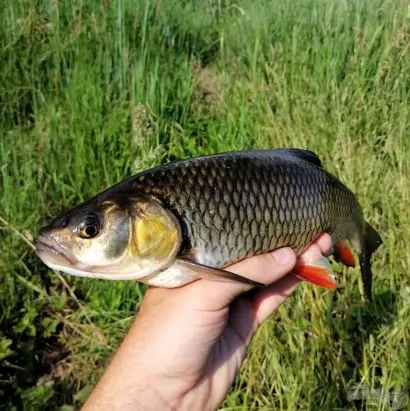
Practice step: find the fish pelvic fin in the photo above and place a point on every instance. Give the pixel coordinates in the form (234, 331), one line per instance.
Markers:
(315, 268)
(372, 241)
(214, 274)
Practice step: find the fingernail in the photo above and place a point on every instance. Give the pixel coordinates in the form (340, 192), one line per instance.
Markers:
(283, 256)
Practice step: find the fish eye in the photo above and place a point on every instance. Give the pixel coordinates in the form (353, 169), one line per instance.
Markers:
(89, 227)
(63, 221)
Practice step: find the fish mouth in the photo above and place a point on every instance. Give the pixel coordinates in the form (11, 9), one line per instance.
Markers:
(49, 250)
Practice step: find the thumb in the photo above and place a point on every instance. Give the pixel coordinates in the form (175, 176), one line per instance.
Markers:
(265, 268)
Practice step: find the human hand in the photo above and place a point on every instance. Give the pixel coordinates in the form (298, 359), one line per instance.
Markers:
(187, 344)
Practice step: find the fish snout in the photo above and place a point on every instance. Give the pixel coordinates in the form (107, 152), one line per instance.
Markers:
(47, 246)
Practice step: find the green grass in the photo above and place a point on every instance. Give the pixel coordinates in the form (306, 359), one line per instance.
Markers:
(91, 92)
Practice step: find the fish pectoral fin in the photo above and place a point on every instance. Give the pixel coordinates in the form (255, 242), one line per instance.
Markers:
(315, 268)
(344, 254)
(215, 274)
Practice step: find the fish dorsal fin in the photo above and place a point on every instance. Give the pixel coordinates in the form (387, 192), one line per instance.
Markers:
(306, 155)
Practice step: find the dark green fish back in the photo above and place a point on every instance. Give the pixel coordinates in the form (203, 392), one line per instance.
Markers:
(239, 204)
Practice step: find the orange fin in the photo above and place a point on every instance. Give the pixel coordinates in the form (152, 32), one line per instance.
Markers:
(343, 253)
(315, 268)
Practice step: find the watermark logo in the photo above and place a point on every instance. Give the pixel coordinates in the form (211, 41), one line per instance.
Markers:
(394, 399)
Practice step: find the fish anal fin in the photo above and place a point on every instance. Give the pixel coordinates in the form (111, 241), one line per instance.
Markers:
(214, 274)
(315, 268)
(344, 254)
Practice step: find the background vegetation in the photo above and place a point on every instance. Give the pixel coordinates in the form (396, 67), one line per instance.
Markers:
(93, 91)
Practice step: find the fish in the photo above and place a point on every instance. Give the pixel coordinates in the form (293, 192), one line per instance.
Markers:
(191, 219)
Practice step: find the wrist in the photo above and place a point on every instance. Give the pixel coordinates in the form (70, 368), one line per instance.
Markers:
(113, 395)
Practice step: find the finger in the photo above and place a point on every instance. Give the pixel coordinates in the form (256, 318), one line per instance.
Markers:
(267, 301)
(324, 242)
(314, 249)
(261, 304)
(265, 268)
(259, 268)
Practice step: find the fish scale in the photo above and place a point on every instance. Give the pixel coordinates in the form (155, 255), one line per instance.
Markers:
(232, 206)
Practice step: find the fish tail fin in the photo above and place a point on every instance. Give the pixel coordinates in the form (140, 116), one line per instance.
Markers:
(372, 239)
(372, 242)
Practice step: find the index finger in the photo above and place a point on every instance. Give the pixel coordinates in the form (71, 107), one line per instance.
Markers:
(323, 243)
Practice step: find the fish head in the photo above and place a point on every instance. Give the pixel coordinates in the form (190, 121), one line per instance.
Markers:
(118, 237)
